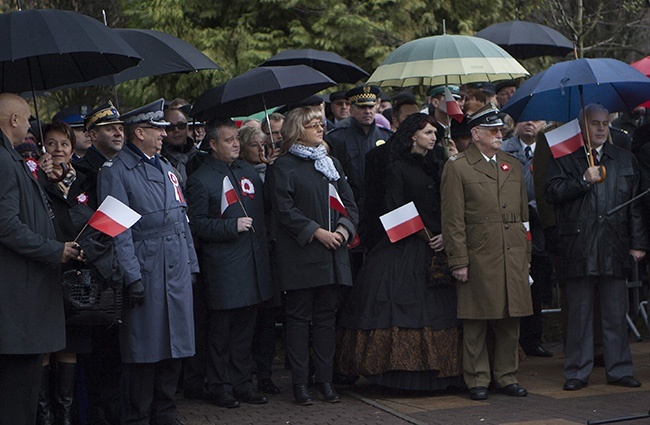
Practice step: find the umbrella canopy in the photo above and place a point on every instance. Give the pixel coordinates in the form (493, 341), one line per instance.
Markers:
(642, 65)
(329, 63)
(161, 54)
(259, 89)
(524, 40)
(446, 59)
(43, 49)
(554, 94)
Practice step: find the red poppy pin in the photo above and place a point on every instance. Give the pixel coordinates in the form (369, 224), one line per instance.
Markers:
(505, 167)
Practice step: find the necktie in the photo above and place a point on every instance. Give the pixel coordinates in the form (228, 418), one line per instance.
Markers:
(493, 163)
(528, 152)
(594, 154)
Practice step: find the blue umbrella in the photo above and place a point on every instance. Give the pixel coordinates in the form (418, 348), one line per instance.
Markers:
(554, 94)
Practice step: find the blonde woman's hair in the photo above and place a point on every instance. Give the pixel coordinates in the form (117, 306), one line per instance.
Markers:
(293, 127)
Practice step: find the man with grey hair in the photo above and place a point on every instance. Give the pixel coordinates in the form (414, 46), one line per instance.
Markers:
(597, 247)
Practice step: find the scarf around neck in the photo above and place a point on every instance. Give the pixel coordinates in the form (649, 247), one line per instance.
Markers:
(322, 162)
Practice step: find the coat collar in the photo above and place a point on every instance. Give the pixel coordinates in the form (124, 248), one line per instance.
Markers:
(222, 166)
(131, 160)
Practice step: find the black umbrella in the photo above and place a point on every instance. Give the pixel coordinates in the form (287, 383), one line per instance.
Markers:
(331, 64)
(259, 89)
(524, 40)
(43, 49)
(161, 54)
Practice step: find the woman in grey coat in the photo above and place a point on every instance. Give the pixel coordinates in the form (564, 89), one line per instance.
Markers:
(312, 257)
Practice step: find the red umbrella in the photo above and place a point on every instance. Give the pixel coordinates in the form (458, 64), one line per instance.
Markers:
(643, 65)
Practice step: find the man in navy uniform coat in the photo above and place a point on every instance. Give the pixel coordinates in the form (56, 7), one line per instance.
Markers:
(158, 259)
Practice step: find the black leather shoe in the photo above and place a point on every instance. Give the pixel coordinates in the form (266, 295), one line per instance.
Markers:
(197, 394)
(626, 381)
(514, 390)
(251, 397)
(538, 351)
(478, 393)
(302, 395)
(226, 400)
(267, 386)
(574, 384)
(329, 393)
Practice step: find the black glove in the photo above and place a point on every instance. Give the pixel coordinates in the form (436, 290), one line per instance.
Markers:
(135, 294)
(195, 278)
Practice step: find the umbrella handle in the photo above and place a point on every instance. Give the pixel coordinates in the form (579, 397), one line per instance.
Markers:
(603, 174)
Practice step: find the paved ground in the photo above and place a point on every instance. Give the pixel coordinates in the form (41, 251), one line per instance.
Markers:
(546, 404)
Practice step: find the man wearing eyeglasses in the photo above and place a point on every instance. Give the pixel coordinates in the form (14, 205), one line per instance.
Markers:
(160, 265)
(178, 147)
(484, 213)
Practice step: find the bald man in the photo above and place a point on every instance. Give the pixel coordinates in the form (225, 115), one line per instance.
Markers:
(31, 302)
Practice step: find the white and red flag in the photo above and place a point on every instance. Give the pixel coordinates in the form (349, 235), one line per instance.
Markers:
(565, 140)
(402, 222)
(228, 195)
(450, 106)
(113, 217)
(529, 236)
(335, 201)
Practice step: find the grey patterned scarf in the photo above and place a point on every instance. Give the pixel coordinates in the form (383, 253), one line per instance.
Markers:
(322, 162)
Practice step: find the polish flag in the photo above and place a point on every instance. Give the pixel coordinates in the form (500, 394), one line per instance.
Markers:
(529, 236)
(450, 106)
(113, 217)
(565, 140)
(335, 201)
(228, 195)
(402, 222)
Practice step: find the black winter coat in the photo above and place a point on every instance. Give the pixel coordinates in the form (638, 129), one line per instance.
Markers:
(591, 242)
(300, 203)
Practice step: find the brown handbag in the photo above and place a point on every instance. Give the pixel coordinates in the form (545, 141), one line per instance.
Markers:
(438, 272)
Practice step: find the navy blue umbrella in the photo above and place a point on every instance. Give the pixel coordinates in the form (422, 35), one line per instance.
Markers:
(554, 94)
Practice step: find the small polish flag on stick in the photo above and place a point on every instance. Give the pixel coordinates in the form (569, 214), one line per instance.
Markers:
(565, 140)
(529, 236)
(450, 106)
(402, 222)
(228, 195)
(113, 217)
(335, 201)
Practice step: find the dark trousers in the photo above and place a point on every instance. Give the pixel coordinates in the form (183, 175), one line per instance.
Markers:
(579, 344)
(20, 380)
(230, 358)
(264, 342)
(318, 307)
(195, 367)
(149, 392)
(541, 270)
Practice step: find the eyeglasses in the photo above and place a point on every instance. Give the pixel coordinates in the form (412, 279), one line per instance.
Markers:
(315, 125)
(494, 130)
(180, 126)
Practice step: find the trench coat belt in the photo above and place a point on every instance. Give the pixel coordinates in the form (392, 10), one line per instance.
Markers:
(159, 232)
(501, 218)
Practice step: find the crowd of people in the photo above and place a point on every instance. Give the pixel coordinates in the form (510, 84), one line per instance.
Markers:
(245, 225)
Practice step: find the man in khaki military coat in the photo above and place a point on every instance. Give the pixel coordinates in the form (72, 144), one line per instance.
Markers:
(484, 218)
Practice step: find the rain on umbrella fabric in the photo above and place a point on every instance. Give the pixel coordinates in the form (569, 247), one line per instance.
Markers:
(446, 59)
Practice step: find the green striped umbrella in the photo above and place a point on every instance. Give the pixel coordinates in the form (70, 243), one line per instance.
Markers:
(446, 59)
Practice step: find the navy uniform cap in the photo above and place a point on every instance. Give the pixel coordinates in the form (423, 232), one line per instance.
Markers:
(105, 114)
(503, 84)
(438, 90)
(314, 100)
(363, 95)
(487, 116)
(337, 95)
(73, 115)
(152, 113)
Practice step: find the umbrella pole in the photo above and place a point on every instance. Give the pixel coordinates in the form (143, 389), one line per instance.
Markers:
(38, 121)
(268, 123)
(603, 172)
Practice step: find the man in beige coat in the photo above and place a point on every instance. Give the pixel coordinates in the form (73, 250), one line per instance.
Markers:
(484, 208)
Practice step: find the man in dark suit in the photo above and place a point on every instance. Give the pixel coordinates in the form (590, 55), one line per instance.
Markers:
(31, 305)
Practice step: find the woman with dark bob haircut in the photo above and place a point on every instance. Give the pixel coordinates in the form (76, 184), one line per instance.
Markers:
(399, 328)
(312, 256)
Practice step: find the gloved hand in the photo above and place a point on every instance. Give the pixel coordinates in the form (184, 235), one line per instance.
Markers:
(135, 294)
(195, 278)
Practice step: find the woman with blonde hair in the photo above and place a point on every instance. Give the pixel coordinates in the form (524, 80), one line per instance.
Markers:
(312, 239)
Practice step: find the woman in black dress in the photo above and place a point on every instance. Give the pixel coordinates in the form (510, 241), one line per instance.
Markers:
(312, 257)
(399, 328)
